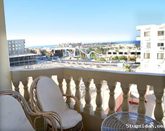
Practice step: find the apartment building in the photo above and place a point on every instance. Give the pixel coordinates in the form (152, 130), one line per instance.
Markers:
(16, 47)
(152, 41)
(18, 54)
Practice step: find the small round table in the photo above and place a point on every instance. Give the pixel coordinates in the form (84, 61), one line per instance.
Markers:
(129, 121)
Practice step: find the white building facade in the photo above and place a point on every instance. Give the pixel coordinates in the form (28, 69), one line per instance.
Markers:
(152, 41)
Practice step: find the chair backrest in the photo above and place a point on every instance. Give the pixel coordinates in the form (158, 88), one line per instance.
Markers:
(12, 116)
(49, 95)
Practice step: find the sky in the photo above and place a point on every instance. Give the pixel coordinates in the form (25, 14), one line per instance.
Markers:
(42, 22)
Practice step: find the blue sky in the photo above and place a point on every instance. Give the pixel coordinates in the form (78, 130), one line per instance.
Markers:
(43, 22)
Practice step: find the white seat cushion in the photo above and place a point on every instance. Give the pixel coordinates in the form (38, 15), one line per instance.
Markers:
(70, 118)
(12, 116)
(51, 99)
(50, 96)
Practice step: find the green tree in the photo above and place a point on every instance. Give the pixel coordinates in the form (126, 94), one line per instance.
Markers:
(115, 58)
(98, 50)
(93, 56)
(122, 58)
(43, 52)
(101, 59)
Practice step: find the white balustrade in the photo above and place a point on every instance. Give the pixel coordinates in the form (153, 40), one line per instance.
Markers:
(142, 80)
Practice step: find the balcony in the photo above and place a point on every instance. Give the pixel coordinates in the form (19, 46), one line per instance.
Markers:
(96, 89)
(101, 92)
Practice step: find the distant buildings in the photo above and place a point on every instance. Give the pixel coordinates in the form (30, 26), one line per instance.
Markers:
(152, 40)
(132, 42)
(108, 50)
(124, 48)
(18, 54)
(124, 52)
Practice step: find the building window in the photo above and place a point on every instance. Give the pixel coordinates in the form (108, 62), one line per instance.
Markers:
(160, 44)
(146, 55)
(160, 55)
(147, 33)
(148, 45)
(132, 53)
(138, 53)
(160, 33)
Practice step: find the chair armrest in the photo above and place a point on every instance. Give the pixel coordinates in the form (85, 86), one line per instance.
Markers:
(49, 116)
(77, 102)
(52, 118)
(56, 118)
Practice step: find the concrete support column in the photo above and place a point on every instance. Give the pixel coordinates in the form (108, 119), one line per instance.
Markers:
(5, 77)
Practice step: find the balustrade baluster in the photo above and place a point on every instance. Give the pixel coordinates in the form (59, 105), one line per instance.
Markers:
(99, 109)
(158, 112)
(125, 89)
(60, 83)
(142, 91)
(87, 108)
(78, 94)
(26, 92)
(16, 86)
(68, 90)
(111, 98)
